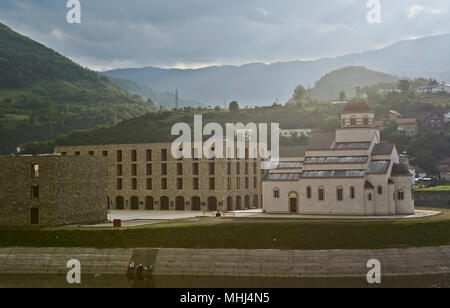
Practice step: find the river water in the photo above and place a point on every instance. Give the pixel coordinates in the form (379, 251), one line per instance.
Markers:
(108, 281)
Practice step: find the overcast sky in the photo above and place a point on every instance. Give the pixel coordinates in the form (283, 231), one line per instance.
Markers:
(196, 33)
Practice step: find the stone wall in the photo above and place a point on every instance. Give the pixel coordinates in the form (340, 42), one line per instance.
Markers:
(434, 199)
(70, 190)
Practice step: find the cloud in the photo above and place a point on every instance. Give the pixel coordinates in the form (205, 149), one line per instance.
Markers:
(417, 10)
(196, 33)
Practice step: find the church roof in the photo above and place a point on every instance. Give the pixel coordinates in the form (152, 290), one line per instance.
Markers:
(281, 177)
(383, 149)
(400, 170)
(333, 174)
(321, 141)
(368, 185)
(378, 166)
(292, 151)
(356, 105)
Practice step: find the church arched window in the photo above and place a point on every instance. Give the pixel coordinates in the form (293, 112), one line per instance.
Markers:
(276, 193)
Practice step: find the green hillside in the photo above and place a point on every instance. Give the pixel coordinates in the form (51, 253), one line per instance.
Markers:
(44, 94)
(330, 85)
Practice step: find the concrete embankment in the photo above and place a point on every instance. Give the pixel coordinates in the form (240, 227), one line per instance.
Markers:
(229, 262)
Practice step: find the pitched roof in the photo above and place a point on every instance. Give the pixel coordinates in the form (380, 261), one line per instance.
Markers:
(281, 177)
(292, 151)
(406, 121)
(356, 105)
(336, 159)
(378, 166)
(383, 149)
(368, 185)
(400, 170)
(289, 165)
(321, 141)
(333, 173)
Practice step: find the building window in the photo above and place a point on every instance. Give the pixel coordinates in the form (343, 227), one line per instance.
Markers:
(366, 121)
(276, 193)
(164, 155)
(34, 170)
(380, 189)
(238, 183)
(247, 185)
(255, 182)
(212, 170)
(63, 153)
(35, 192)
(133, 155)
(119, 170)
(238, 168)
(163, 169)
(148, 155)
(105, 153)
(119, 156)
(352, 192)
(246, 154)
(353, 122)
(229, 183)
(246, 168)
(134, 184)
(229, 168)
(340, 193)
(369, 197)
(180, 184)
(149, 184)
(133, 170)
(255, 168)
(91, 153)
(119, 184)
(164, 183)
(195, 169)
(179, 169)
(400, 195)
(308, 192)
(212, 184)
(321, 192)
(195, 184)
(149, 169)
(77, 153)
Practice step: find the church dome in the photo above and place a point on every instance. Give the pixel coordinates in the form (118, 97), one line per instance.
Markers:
(356, 105)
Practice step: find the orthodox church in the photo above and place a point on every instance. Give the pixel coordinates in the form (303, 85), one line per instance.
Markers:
(346, 172)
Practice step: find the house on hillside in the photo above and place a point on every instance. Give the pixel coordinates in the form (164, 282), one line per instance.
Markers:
(444, 169)
(409, 127)
(435, 120)
(442, 88)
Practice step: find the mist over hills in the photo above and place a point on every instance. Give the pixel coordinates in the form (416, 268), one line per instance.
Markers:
(261, 84)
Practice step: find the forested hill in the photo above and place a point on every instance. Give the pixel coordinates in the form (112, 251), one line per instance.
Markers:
(345, 79)
(44, 94)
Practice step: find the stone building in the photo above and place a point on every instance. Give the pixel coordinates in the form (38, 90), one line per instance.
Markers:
(346, 172)
(52, 190)
(148, 177)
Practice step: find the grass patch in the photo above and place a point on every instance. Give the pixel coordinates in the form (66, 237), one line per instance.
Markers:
(240, 235)
(436, 188)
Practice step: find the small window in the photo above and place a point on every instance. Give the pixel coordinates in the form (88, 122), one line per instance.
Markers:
(149, 169)
(148, 155)
(340, 194)
(246, 168)
(321, 192)
(149, 185)
(255, 168)
(91, 153)
(163, 169)
(212, 184)
(229, 168)
(35, 192)
(134, 184)
(119, 184)
(308, 192)
(353, 122)
(34, 170)
(352, 192)
(255, 182)
(133, 170)
(180, 184)
(400, 195)
(229, 184)
(276, 193)
(238, 183)
(179, 169)
(164, 155)
(195, 184)
(247, 185)
(63, 153)
(105, 153)
(380, 189)
(119, 170)
(77, 153)
(212, 170)
(238, 168)
(133, 155)
(369, 197)
(366, 121)
(119, 156)
(164, 183)
(195, 169)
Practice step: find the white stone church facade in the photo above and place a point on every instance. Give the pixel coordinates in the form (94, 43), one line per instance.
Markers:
(346, 172)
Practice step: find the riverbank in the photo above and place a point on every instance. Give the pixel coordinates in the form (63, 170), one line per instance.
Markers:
(229, 262)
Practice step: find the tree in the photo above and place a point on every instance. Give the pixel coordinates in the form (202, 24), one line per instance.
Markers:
(342, 96)
(300, 93)
(404, 86)
(234, 106)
